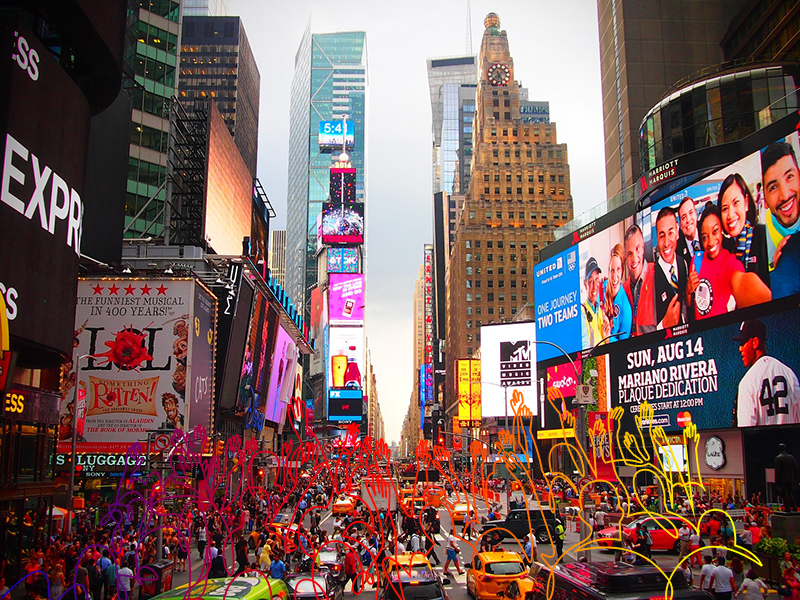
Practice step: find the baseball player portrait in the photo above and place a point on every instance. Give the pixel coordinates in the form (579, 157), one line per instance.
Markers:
(769, 393)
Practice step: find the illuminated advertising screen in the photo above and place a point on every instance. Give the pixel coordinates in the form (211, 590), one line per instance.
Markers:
(254, 379)
(469, 392)
(346, 364)
(508, 368)
(319, 311)
(342, 225)
(343, 260)
(134, 341)
(201, 367)
(345, 405)
(44, 128)
(281, 379)
(346, 299)
(740, 375)
(422, 396)
(332, 134)
(343, 186)
(428, 298)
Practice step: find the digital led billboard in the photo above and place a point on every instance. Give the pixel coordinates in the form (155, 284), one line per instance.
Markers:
(346, 299)
(342, 224)
(469, 392)
(345, 405)
(346, 365)
(508, 365)
(332, 134)
(343, 260)
(343, 185)
(281, 379)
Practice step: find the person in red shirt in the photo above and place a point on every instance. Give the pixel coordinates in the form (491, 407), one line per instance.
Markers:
(713, 526)
(721, 284)
(351, 568)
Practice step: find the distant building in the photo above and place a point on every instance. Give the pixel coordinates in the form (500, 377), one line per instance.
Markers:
(277, 256)
(205, 8)
(217, 63)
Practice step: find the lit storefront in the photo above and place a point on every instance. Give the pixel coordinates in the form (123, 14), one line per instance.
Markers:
(720, 462)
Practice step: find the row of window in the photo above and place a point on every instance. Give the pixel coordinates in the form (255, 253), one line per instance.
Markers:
(500, 270)
(146, 172)
(477, 310)
(149, 102)
(521, 215)
(26, 452)
(490, 309)
(156, 37)
(147, 137)
(525, 133)
(501, 283)
(500, 257)
(155, 70)
(169, 9)
(519, 178)
(499, 244)
(531, 191)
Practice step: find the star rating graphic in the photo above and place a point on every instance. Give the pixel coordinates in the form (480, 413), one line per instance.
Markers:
(129, 290)
(162, 291)
(146, 289)
(98, 289)
(113, 289)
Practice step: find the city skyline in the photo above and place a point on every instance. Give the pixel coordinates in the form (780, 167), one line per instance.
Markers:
(398, 91)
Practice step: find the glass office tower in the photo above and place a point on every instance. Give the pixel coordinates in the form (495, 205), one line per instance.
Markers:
(330, 83)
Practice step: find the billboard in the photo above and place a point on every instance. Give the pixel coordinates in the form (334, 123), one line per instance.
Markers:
(281, 380)
(346, 364)
(145, 349)
(508, 365)
(332, 134)
(342, 225)
(469, 393)
(743, 374)
(345, 405)
(319, 312)
(254, 377)
(429, 338)
(44, 129)
(343, 185)
(346, 299)
(343, 260)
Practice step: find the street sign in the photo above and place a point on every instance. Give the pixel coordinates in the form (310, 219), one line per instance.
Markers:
(164, 465)
(583, 394)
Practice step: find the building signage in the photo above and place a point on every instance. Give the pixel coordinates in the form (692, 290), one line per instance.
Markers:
(469, 393)
(334, 134)
(30, 404)
(93, 464)
(428, 298)
(344, 406)
(346, 295)
(715, 453)
(508, 369)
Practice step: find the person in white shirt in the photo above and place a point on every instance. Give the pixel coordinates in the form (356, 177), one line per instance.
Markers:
(125, 582)
(685, 537)
(752, 587)
(600, 518)
(722, 582)
(212, 550)
(694, 544)
(705, 574)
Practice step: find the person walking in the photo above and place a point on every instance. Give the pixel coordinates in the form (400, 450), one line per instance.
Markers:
(431, 543)
(722, 582)
(125, 582)
(560, 535)
(752, 587)
(452, 553)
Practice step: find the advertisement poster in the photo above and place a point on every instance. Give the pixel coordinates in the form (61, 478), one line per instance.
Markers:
(254, 380)
(281, 381)
(344, 406)
(201, 359)
(342, 224)
(508, 365)
(721, 237)
(346, 364)
(739, 375)
(319, 310)
(343, 185)
(458, 444)
(134, 350)
(469, 393)
(346, 299)
(343, 260)
(601, 455)
(558, 296)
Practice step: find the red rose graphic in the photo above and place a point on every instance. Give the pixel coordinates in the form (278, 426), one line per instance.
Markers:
(127, 350)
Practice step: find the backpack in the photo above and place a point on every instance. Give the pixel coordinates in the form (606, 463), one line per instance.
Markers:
(95, 575)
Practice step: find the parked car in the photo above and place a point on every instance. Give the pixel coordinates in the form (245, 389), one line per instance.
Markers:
(490, 575)
(663, 530)
(317, 587)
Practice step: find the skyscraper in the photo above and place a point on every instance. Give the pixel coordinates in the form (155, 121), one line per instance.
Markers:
(277, 256)
(154, 58)
(645, 47)
(519, 193)
(205, 8)
(330, 83)
(217, 63)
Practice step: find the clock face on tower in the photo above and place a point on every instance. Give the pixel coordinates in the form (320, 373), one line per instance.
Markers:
(498, 74)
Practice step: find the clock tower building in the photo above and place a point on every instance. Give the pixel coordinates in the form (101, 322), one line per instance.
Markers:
(518, 194)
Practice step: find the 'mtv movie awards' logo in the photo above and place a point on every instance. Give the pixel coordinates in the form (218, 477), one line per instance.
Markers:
(516, 364)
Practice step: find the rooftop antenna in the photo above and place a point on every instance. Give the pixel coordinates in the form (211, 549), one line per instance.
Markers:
(469, 30)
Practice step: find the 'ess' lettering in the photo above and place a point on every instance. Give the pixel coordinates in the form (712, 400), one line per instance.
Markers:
(15, 403)
(26, 57)
(43, 192)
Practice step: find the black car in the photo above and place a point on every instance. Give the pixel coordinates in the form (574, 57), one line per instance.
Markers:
(521, 522)
(330, 561)
(419, 584)
(313, 587)
(609, 581)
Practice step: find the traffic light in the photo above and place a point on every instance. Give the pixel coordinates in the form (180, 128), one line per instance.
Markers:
(441, 440)
(220, 448)
(261, 474)
(206, 447)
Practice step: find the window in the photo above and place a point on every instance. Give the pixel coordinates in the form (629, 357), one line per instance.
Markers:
(478, 296)
(469, 351)
(489, 271)
(486, 177)
(488, 212)
(565, 216)
(497, 190)
(508, 189)
(500, 270)
(469, 310)
(490, 283)
(499, 214)
(486, 190)
(469, 324)
(477, 256)
(469, 283)
(489, 257)
(500, 258)
(499, 243)
(469, 297)
(469, 270)
(507, 116)
(472, 214)
(470, 336)
(502, 310)
(494, 152)
(477, 283)
(513, 258)
(477, 312)
(513, 297)
(490, 310)
(507, 103)
(561, 179)
(501, 298)
(541, 178)
(477, 243)
(519, 191)
(496, 102)
(469, 244)
(513, 283)
(524, 298)
(523, 244)
(505, 131)
(469, 257)
(490, 297)
(501, 283)
(513, 271)
(524, 271)
(552, 178)
(489, 243)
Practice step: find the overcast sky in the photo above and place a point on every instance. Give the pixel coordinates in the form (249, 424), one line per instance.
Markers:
(556, 56)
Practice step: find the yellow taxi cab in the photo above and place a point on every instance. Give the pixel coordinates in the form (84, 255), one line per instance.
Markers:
(460, 512)
(407, 493)
(409, 561)
(493, 572)
(434, 495)
(343, 505)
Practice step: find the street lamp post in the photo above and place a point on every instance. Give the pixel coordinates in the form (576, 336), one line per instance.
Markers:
(505, 396)
(73, 458)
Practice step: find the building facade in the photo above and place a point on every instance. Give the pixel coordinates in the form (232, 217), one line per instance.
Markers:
(217, 63)
(153, 60)
(277, 256)
(330, 83)
(519, 193)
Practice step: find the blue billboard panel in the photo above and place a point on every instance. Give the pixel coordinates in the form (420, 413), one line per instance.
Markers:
(345, 405)
(557, 286)
(332, 135)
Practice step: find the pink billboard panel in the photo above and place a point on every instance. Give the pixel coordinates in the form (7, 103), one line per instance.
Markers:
(346, 299)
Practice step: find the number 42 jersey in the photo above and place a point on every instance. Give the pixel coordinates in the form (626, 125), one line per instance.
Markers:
(769, 394)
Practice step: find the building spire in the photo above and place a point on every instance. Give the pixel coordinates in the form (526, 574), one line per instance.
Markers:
(469, 30)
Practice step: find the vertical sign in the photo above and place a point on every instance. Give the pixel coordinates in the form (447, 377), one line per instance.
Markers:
(429, 324)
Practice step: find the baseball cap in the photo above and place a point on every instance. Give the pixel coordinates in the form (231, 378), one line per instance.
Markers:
(751, 329)
(591, 267)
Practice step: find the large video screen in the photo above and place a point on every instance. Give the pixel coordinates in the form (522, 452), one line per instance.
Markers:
(343, 185)
(508, 365)
(281, 379)
(342, 224)
(346, 365)
(332, 134)
(343, 260)
(346, 299)
(345, 405)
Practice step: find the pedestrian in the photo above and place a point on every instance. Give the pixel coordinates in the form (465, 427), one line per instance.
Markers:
(351, 569)
(111, 577)
(530, 549)
(125, 582)
(56, 583)
(560, 535)
(202, 540)
(685, 537)
(277, 569)
(722, 582)
(752, 587)
(430, 544)
(452, 553)
(705, 573)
